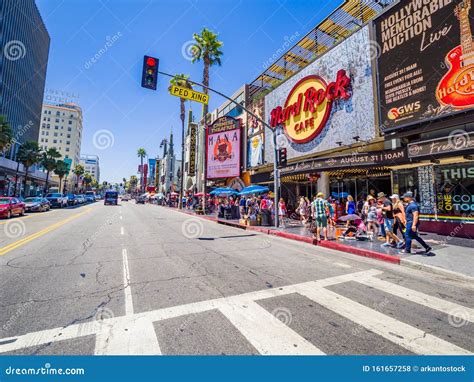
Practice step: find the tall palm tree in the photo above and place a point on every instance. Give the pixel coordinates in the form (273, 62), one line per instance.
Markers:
(182, 81)
(207, 49)
(28, 155)
(6, 133)
(78, 170)
(87, 179)
(61, 170)
(133, 184)
(49, 161)
(141, 153)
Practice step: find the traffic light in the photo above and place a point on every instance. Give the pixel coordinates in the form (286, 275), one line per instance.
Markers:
(281, 157)
(150, 72)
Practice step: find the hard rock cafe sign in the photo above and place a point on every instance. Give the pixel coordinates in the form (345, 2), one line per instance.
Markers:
(308, 106)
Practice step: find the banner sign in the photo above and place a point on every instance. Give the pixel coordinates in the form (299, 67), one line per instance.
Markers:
(455, 143)
(255, 134)
(223, 148)
(375, 158)
(426, 62)
(192, 149)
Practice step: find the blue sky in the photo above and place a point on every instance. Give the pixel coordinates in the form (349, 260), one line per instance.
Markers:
(109, 90)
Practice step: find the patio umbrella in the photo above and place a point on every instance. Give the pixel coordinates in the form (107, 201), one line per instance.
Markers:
(253, 189)
(199, 194)
(349, 217)
(223, 192)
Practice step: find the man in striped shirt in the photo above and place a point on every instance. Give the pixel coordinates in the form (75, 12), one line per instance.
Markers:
(320, 208)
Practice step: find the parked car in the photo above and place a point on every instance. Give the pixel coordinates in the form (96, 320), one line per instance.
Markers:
(11, 206)
(57, 200)
(111, 197)
(126, 198)
(80, 199)
(90, 196)
(37, 204)
(72, 200)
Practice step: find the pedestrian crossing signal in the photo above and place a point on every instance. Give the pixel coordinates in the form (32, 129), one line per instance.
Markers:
(281, 157)
(150, 72)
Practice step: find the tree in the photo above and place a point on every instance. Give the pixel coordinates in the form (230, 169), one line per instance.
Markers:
(49, 162)
(87, 179)
(133, 184)
(207, 49)
(141, 153)
(28, 155)
(61, 170)
(94, 183)
(6, 134)
(78, 170)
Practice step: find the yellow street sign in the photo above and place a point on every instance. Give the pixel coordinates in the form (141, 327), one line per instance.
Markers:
(189, 94)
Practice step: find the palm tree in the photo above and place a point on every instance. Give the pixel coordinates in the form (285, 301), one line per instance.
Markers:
(207, 49)
(6, 133)
(78, 170)
(28, 155)
(61, 170)
(141, 153)
(182, 81)
(133, 184)
(87, 179)
(49, 161)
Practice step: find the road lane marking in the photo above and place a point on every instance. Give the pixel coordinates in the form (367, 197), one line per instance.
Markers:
(342, 265)
(120, 217)
(265, 332)
(137, 337)
(121, 231)
(126, 283)
(25, 240)
(409, 337)
(450, 308)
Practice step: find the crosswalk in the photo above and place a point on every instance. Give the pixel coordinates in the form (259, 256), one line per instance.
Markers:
(136, 333)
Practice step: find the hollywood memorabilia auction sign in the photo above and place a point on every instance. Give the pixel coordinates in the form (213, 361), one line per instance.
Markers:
(308, 106)
(426, 63)
(223, 138)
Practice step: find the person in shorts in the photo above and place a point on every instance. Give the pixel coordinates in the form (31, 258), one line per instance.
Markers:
(319, 208)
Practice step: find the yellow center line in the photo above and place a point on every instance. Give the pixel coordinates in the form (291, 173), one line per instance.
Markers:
(44, 231)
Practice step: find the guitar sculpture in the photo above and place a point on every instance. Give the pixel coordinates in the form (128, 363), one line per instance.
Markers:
(456, 88)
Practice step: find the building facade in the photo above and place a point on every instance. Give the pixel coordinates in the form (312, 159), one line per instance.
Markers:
(91, 165)
(24, 41)
(61, 128)
(169, 168)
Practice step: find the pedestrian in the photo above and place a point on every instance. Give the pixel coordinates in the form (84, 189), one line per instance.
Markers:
(388, 220)
(350, 207)
(302, 210)
(412, 213)
(282, 212)
(399, 218)
(319, 209)
(242, 207)
(372, 222)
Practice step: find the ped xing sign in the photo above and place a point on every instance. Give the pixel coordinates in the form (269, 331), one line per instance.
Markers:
(189, 94)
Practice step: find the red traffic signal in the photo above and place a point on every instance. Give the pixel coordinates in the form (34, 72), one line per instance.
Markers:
(150, 72)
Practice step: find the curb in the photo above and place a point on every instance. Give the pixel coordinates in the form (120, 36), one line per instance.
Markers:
(436, 270)
(360, 251)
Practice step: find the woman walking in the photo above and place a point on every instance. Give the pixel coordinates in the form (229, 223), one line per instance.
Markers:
(282, 212)
(400, 219)
(372, 222)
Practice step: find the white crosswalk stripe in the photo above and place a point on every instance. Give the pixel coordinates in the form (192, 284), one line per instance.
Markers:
(134, 333)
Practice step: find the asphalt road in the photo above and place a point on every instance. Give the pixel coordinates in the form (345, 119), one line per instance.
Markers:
(143, 279)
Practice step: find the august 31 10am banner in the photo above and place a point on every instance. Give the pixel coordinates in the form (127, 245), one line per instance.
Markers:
(426, 62)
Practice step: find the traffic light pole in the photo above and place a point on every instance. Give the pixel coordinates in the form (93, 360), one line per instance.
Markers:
(276, 176)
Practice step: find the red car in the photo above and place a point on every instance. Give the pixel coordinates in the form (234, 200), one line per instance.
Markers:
(11, 206)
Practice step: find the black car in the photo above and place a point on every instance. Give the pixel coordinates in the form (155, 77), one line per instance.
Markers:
(111, 197)
(37, 204)
(57, 200)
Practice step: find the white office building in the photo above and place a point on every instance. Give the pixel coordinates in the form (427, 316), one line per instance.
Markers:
(91, 165)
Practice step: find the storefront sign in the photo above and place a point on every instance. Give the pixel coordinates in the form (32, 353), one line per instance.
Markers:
(455, 190)
(223, 148)
(436, 75)
(192, 148)
(189, 94)
(308, 106)
(376, 158)
(456, 143)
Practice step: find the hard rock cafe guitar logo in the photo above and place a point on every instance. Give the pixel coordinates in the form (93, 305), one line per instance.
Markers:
(456, 88)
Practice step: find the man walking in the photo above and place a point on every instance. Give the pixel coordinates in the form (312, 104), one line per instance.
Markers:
(319, 209)
(387, 212)
(412, 213)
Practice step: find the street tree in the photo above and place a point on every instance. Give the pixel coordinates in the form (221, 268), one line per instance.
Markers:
(28, 155)
(6, 134)
(78, 171)
(61, 170)
(48, 161)
(141, 153)
(87, 178)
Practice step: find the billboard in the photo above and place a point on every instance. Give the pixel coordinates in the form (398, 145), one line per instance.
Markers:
(426, 61)
(223, 148)
(255, 134)
(326, 105)
(192, 148)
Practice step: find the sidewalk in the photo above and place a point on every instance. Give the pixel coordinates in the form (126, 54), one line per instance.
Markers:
(449, 255)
